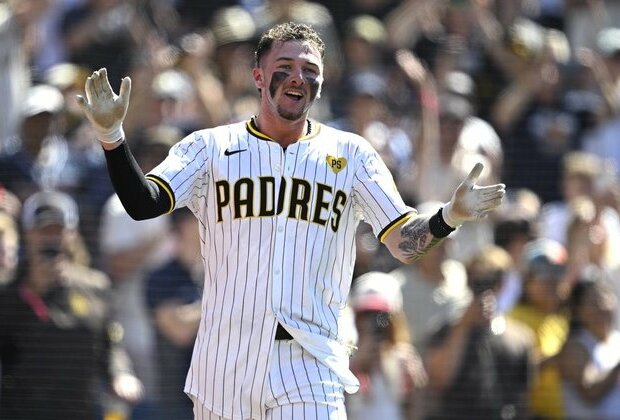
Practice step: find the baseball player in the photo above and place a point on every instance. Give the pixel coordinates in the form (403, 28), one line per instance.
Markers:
(278, 198)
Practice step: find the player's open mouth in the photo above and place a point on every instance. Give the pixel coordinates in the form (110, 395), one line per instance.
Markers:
(294, 95)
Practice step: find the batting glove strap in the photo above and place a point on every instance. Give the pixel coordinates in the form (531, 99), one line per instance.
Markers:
(446, 218)
(113, 135)
(438, 226)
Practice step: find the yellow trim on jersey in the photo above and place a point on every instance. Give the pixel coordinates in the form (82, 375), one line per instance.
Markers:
(316, 127)
(250, 125)
(166, 188)
(394, 224)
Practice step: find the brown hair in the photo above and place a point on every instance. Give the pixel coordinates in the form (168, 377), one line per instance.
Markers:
(289, 31)
(490, 260)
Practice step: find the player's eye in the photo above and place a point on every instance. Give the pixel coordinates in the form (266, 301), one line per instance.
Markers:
(311, 70)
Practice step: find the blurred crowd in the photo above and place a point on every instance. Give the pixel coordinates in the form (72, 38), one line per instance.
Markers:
(514, 316)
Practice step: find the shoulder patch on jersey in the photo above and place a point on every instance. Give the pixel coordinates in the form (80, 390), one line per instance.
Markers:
(336, 163)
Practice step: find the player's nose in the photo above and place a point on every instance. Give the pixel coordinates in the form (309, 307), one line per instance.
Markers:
(297, 77)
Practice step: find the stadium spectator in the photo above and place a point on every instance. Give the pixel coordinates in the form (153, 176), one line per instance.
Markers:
(451, 138)
(173, 293)
(590, 361)
(387, 366)
(103, 32)
(543, 269)
(57, 344)
(480, 365)
(18, 39)
(514, 226)
(40, 158)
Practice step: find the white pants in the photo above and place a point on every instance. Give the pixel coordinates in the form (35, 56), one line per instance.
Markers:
(298, 387)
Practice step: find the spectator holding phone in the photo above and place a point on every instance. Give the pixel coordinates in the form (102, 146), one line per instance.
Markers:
(480, 365)
(56, 343)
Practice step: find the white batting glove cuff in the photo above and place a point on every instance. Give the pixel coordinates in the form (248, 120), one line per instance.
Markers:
(113, 135)
(450, 221)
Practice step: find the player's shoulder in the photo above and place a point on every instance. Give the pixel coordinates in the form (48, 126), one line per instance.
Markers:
(333, 133)
(217, 134)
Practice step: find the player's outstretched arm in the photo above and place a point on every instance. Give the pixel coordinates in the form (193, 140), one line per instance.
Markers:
(420, 233)
(105, 110)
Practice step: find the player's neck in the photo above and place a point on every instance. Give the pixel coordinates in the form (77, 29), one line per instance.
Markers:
(283, 132)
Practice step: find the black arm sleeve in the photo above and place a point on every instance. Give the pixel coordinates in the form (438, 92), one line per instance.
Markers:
(141, 197)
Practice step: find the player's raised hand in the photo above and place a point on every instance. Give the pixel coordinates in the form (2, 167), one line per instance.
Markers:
(105, 109)
(472, 202)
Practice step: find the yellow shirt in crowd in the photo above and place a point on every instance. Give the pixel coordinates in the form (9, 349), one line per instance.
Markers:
(550, 331)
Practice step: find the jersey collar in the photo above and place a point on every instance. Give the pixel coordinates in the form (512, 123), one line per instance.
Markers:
(252, 128)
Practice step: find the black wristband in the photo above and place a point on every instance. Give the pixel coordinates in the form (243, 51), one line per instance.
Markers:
(438, 227)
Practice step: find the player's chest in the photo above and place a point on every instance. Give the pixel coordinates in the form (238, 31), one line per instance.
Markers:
(304, 181)
(256, 161)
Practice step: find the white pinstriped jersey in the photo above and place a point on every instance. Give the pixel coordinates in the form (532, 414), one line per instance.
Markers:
(277, 228)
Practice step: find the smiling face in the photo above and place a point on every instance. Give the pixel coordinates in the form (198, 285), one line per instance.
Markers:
(289, 78)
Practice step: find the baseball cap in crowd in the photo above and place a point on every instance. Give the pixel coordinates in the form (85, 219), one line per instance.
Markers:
(608, 42)
(367, 28)
(66, 75)
(545, 258)
(172, 84)
(42, 98)
(376, 291)
(49, 208)
(232, 25)
(459, 83)
(454, 107)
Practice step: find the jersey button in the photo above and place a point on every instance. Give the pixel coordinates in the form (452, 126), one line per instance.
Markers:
(280, 229)
(276, 167)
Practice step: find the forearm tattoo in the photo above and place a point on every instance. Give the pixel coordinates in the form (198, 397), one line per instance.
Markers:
(417, 238)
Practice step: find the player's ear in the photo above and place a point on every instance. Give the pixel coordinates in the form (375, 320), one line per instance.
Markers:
(258, 76)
